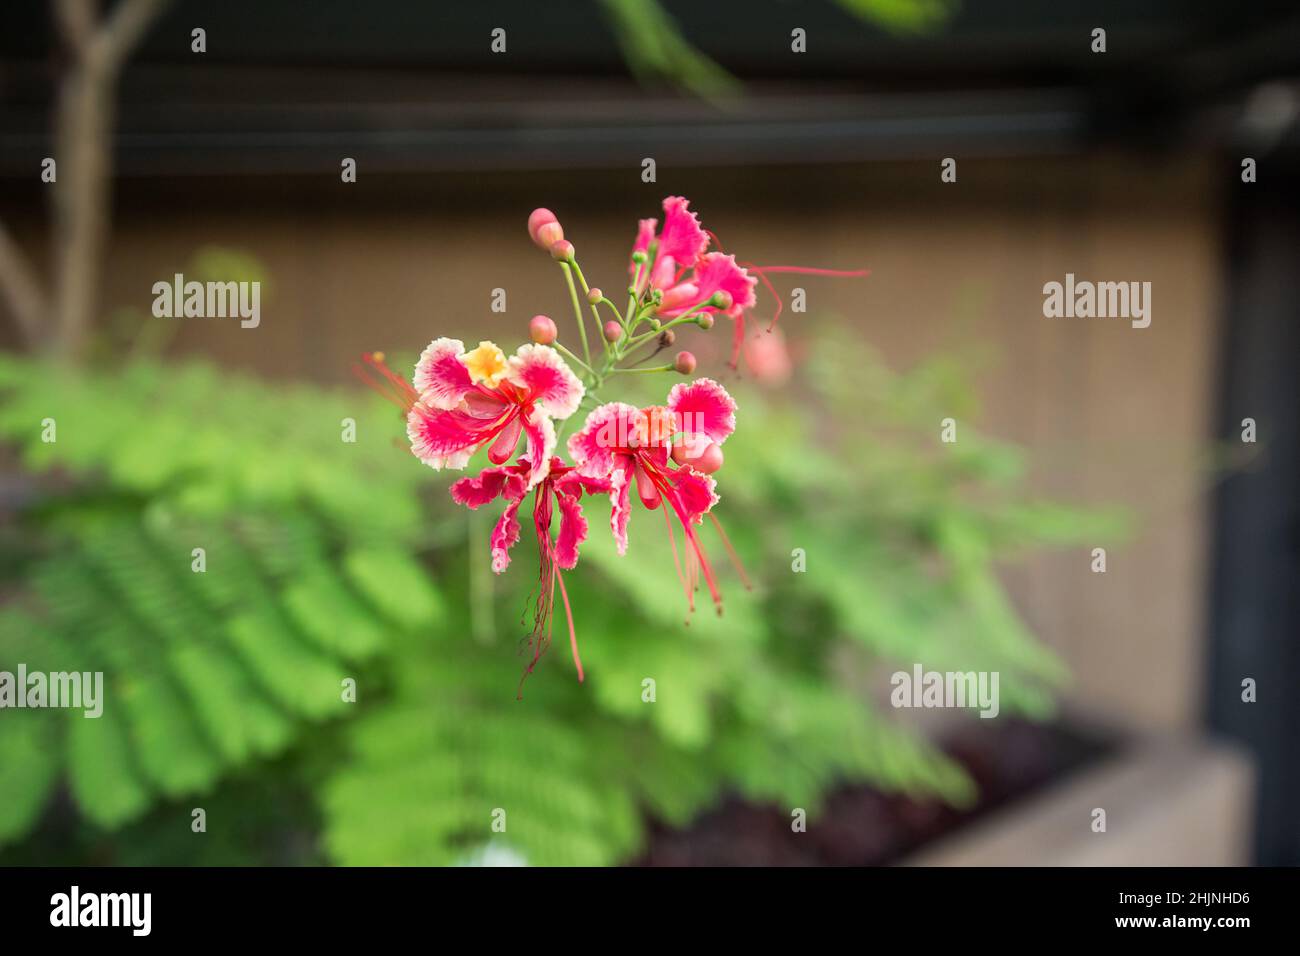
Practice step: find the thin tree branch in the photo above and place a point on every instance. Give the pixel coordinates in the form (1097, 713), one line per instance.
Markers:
(21, 290)
(76, 22)
(124, 28)
(83, 145)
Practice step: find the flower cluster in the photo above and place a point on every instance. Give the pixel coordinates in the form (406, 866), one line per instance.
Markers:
(460, 401)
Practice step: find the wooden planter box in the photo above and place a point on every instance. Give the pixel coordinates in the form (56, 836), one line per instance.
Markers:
(1168, 802)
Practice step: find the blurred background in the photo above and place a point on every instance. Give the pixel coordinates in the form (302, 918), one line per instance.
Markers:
(330, 560)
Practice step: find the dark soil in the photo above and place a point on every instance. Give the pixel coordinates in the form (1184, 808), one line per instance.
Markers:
(861, 826)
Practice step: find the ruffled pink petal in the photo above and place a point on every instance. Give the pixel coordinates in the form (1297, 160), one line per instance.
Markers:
(597, 444)
(702, 409)
(573, 530)
(575, 483)
(489, 484)
(445, 439)
(682, 238)
(440, 377)
(504, 536)
(694, 494)
(543, 376)
(620, 500)
(714, 272)
(539, 433)
(664, 274)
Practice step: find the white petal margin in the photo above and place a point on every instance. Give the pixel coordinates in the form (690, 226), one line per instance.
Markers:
(539, 421)
(434, 389)
(541, 369)
(455, 460)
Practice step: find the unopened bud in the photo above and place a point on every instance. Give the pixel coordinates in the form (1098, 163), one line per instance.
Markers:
(638, 256)
(594, 296)
(538, 218)
(548, 234)
(684, 363)
(666, 338)
(721, 300)
(562, 251)
(705, 321)
(613, 331)
(709, 460)
(542, 330)
(704, 457)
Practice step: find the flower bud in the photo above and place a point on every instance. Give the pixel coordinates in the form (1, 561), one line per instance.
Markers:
(684, 363)
(705, 458)
(548, 234)
(613, 331)
(594, 296)
(638, 256)
(542, 330)
(666, 338)
(538, 218)
(709, 460)
(721, 300)
(562, 251)
(705, 321)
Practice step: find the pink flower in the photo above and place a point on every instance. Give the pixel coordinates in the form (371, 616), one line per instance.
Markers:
(562, 486)
(768, 357)
(683, 271)
(460, 401)
(622, 444)
(689, 277)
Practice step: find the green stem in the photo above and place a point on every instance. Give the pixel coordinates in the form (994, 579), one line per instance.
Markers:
(632, 296)
(573, 358)
(577, 312)
(618, 317)
(680, 320)
(654, 368)
(595, 312)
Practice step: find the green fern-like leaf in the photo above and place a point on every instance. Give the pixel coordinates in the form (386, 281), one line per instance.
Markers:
(209, 666)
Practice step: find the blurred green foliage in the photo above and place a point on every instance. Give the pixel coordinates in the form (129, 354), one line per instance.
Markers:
(328, 560)
(656, 50)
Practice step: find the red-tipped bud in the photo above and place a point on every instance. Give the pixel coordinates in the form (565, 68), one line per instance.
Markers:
(709, 460)
(613, 331)
(684, 363)
(539, 218)
(542, 330)
(548, 234)
(705, 321)
(722, 300)
(594, 296)
(562, 251)
(705, 459)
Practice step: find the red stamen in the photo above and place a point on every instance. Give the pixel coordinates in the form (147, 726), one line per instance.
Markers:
(813, 271)
(762, 271)
(735, 558)
(548, 577)
(391, 385)
(568, 613)
(672, 542)
(669, 494)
